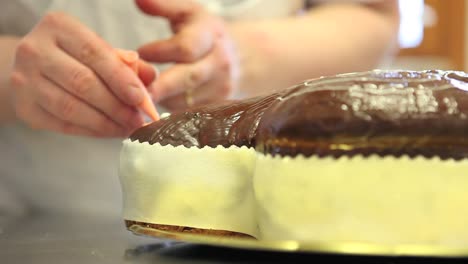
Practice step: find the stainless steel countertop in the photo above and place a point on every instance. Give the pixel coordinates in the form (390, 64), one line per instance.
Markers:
(47, 238)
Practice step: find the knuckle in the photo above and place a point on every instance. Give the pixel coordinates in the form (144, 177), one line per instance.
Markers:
(53, 19)
(89, 52)
(186, 51)
(26, 50)
(194, 78)
(17, 80)
(81, 81)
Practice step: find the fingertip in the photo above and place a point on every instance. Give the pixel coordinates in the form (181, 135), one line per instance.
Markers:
(160, 51)
(147, 6)
(146, 50)
(148, 107)
(138, 3)
(147, 72)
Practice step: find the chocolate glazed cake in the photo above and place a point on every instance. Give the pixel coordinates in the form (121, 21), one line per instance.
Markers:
(381, 112)
(368, 123)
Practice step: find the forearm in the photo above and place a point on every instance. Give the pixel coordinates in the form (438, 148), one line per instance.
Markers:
(327, 40)
(7, 50)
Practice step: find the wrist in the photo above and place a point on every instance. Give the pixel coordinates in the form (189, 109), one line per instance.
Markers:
(247, 59)
(7, 110)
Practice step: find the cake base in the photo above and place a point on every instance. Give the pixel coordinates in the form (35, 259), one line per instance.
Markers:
(187, 230)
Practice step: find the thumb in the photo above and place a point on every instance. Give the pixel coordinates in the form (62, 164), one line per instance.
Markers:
(174, 10)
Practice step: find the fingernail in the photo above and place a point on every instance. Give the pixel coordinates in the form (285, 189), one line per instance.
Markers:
(135, 95)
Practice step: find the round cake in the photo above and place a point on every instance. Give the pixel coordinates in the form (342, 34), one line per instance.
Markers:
(371, 157)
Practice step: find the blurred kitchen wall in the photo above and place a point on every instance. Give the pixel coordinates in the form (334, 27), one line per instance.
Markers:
(466, 36)
(434, 35)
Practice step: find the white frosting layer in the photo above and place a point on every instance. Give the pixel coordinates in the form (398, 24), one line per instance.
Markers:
(202, 188)
(377, 200)
(381, 200)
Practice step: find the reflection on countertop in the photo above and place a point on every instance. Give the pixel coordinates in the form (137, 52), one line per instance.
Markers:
(209, 254)
(55, 238)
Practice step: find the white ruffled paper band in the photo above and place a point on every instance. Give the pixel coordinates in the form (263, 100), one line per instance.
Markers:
(380, 200)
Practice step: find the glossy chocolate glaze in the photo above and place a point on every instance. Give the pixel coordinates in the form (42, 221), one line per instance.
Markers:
(378, 112)
(226, 124)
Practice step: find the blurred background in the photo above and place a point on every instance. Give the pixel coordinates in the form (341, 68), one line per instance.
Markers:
(433, 35)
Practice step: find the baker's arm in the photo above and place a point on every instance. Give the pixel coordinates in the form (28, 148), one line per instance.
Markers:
(328, 39)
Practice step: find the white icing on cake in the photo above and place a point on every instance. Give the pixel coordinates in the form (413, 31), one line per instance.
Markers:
(378, 200)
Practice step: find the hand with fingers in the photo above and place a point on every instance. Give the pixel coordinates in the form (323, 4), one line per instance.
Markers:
(206, 67)
(67, 79)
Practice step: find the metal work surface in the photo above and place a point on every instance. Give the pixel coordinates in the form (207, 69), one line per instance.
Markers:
(47, 238)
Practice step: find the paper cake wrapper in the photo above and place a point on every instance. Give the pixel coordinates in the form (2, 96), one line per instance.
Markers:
(371, 200)
(208, 188)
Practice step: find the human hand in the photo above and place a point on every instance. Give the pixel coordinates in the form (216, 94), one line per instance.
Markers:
(206, 66)
(67, 79)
